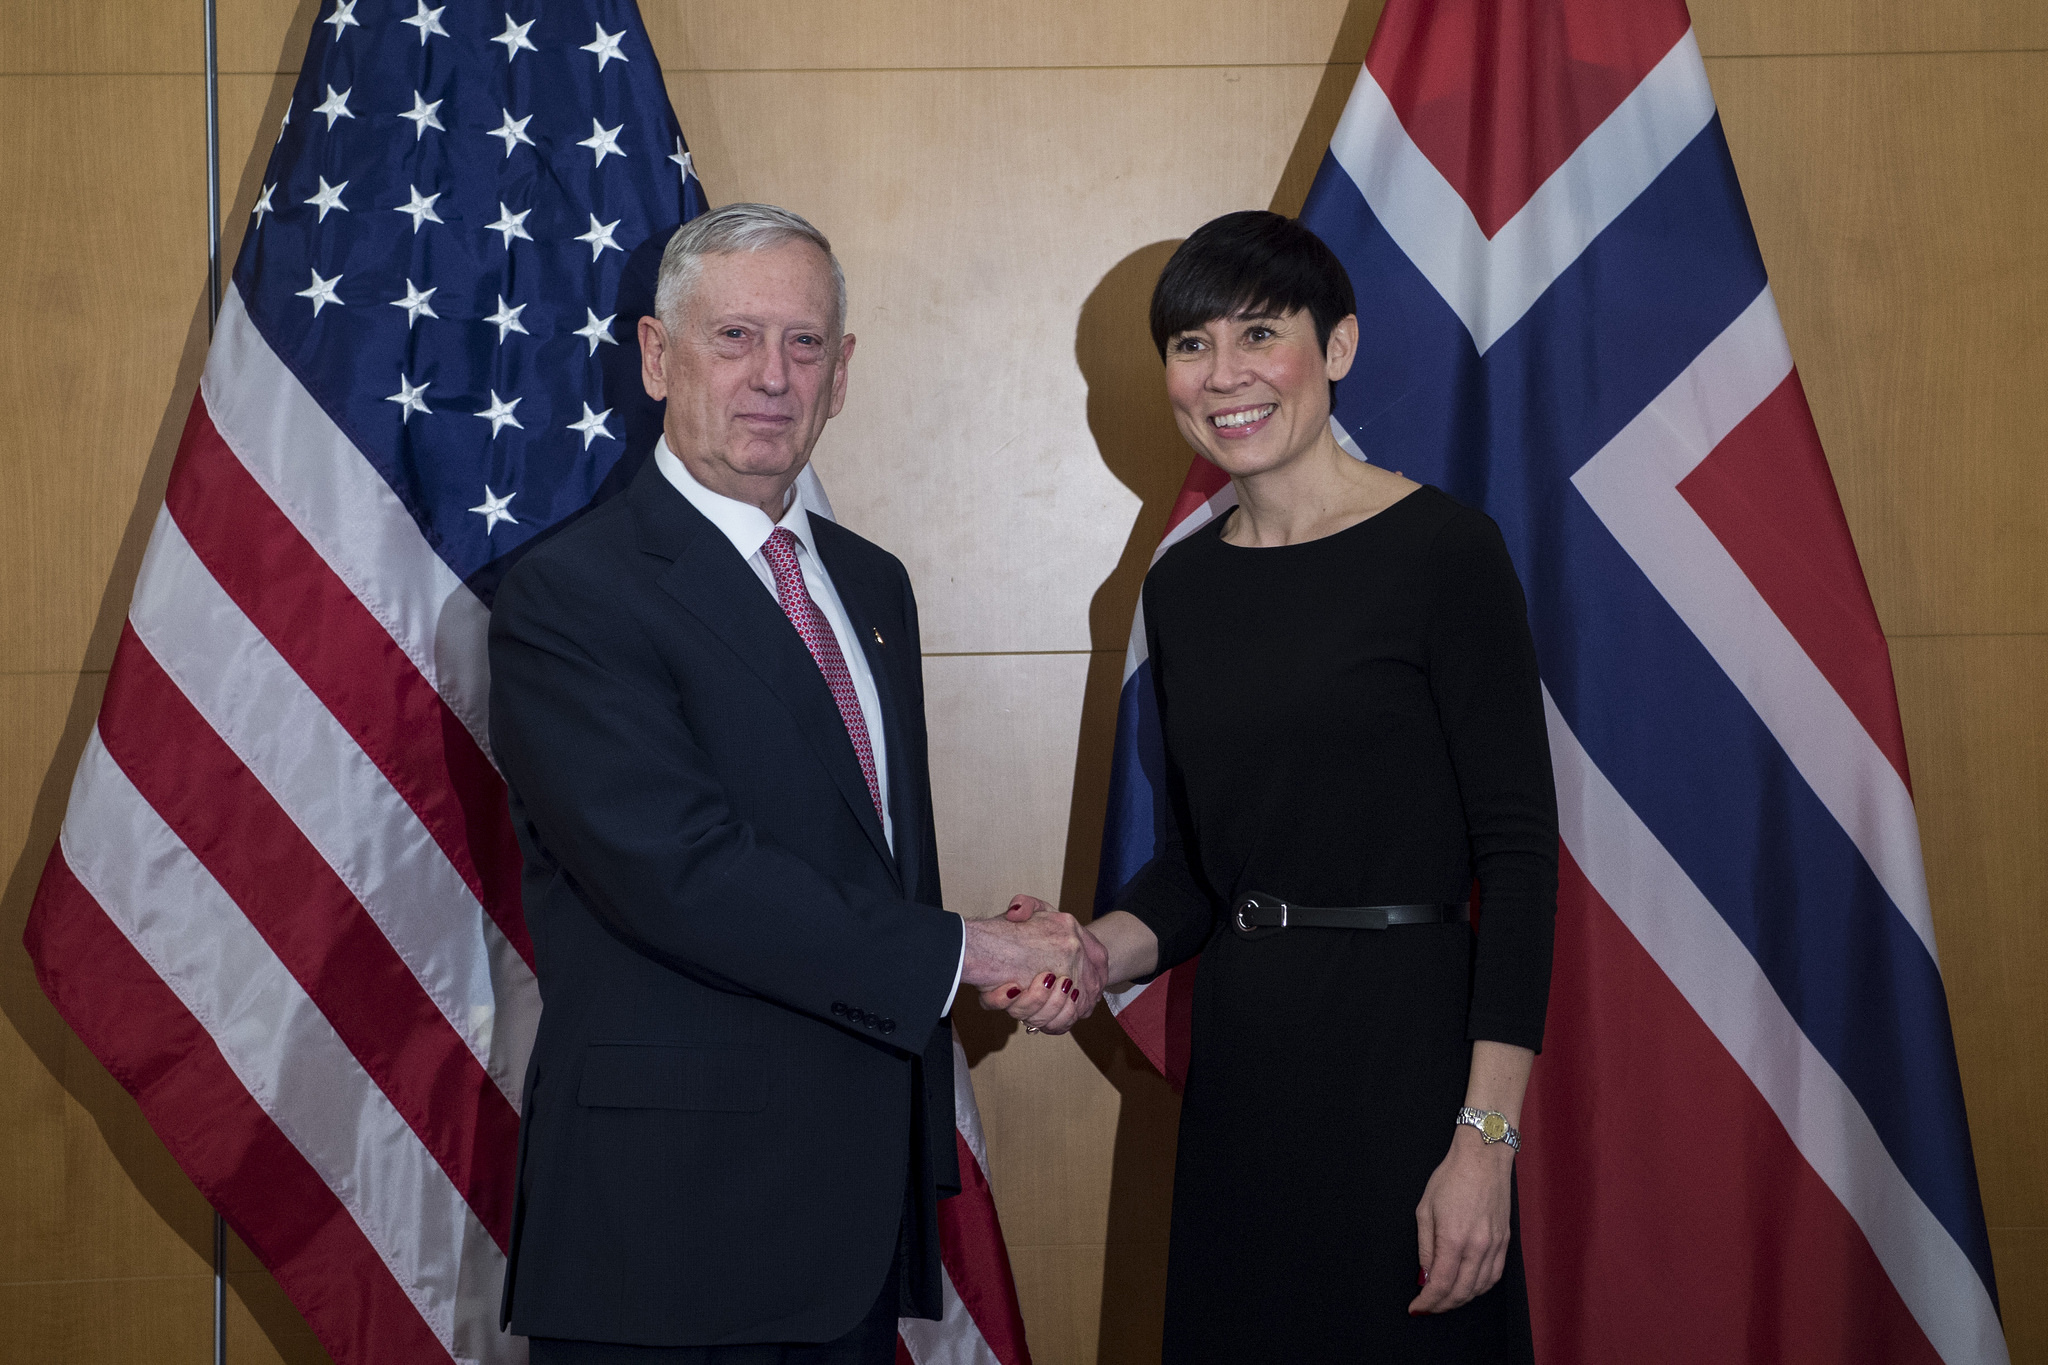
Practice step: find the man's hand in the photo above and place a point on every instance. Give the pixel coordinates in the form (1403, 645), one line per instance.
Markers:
(1007, 960)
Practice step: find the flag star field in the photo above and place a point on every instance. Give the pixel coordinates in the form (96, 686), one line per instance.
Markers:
(448, 208)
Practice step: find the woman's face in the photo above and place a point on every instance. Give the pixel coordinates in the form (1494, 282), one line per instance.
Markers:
(1252, 391)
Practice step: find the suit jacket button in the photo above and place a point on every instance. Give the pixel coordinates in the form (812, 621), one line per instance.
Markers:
(888, 1026)
(839, 1008)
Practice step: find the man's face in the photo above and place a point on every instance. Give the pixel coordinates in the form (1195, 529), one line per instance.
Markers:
(752, 371)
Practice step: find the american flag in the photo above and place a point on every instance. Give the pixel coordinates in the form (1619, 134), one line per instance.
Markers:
(284, 908)
(1746, 1138)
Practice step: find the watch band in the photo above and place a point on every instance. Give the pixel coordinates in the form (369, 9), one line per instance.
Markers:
(1492, 1125)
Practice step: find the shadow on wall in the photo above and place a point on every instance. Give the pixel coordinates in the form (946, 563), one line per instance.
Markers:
(128, 1137)
(1134, 431)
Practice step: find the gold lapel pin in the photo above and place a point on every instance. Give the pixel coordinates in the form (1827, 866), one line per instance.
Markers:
(877, 634)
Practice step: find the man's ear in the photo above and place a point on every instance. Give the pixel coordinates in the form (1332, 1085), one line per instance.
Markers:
(654, 357)
(839, 375)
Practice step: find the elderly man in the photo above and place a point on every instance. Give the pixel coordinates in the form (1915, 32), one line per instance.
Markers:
(709, 707)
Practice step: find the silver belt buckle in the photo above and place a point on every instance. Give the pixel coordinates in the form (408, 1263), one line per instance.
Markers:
(1253, 900)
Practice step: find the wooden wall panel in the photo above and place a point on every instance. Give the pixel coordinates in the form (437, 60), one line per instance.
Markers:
(796, 35)
(1772, 27)
(111, 36)
(103, 290)
(2022, 1257)
(263, 36)
(1080, 1128)
(1976, 713)
(105, 294)
(138, 1322)
(1888, 194)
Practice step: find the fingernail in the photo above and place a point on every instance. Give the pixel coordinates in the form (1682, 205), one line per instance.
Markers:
(1421, 1278)
(1016, 991)
(1048, 980)
(1067, 986)
(1425, 1275)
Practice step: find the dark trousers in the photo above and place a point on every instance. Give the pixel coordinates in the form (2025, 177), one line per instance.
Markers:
(871, 1342)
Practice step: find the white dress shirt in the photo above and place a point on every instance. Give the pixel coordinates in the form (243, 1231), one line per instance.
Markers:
(748, 528)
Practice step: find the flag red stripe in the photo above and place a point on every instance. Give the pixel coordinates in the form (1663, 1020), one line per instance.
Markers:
(976, 1257)
(317, 928)
(352, 665)
(1649, 1153)
(221, 1138)
(1160, 1021)
(1766, 494)
(1496, 128)
(1204, 481)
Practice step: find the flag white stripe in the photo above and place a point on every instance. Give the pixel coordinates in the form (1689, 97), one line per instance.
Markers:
(346, 510)
(339, 799)
(966, 1113)
(278, 1044)
(1490, 284)
(1632, 486)
(1721, 981)
(1221, 501)
(955, 1339)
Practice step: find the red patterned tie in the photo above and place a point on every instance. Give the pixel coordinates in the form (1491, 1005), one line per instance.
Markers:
(780, 552)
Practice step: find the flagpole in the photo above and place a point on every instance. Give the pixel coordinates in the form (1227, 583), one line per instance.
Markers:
(220, 1227)
(212, 169)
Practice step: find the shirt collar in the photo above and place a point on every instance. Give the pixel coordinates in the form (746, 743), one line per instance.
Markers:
(744, 524)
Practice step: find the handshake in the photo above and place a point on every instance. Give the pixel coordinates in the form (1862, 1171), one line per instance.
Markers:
(1038, 965)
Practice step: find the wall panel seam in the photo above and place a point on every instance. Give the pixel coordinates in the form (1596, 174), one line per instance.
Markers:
(971, 70)
(205, 1275)
(1971, 635)
(1877, 52)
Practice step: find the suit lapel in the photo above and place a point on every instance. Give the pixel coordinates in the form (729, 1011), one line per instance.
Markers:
(707, 578)
(868, 609)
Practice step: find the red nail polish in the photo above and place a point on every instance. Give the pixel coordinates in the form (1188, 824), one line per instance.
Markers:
(1016, 991)
(1421, 1278)
(1048, 980)
(1067, 986)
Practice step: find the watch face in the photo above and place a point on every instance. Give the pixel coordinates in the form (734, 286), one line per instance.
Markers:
(1493, 1127)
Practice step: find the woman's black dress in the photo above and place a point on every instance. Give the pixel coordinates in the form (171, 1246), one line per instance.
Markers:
(1351, 721)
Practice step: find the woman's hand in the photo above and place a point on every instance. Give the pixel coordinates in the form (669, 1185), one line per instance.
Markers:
(1461, 1225)
(1050, 1002)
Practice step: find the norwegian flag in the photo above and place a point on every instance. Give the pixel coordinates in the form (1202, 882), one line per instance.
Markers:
(284, 908)
(1746, 1137)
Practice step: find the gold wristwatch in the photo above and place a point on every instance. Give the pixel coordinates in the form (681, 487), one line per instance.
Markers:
(1492, 1125)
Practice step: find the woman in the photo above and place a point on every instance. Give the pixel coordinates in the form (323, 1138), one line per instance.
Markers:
(1352, 722)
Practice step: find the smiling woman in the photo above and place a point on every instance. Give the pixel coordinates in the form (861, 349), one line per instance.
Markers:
(1256, 322)
(1353, 731)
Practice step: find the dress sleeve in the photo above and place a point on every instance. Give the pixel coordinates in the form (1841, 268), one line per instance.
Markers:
(1167, 895)
(1482, 672)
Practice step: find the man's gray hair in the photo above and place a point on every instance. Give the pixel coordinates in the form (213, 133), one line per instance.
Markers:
(735, 227)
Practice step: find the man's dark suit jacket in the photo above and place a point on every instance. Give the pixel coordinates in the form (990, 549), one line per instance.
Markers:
(741, 1057)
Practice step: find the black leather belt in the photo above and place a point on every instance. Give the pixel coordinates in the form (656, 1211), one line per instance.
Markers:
(1258, 910)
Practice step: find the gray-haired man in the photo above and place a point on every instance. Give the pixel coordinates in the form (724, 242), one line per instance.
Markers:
(709, 707)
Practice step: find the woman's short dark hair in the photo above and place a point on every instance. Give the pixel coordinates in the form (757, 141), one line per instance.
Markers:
(1250, 262)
